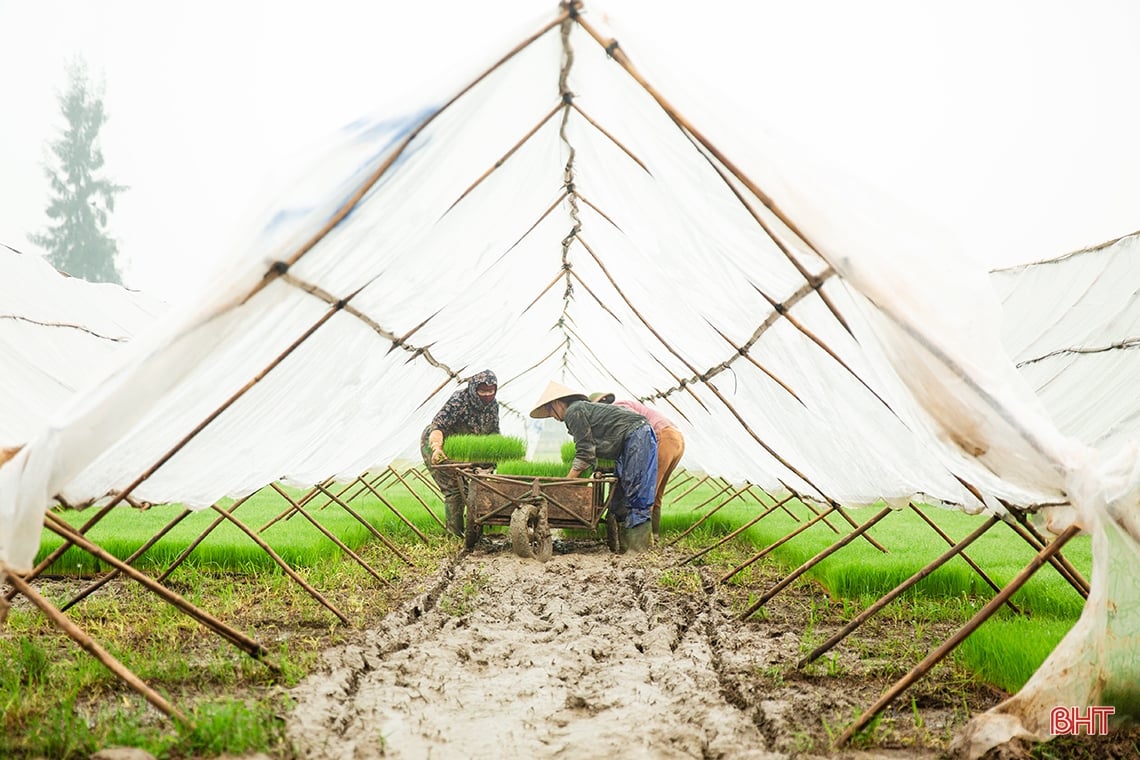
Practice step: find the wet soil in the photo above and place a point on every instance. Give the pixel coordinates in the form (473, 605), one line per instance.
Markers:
(596, 655)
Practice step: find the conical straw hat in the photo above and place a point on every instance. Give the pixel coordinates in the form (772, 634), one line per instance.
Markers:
(553, 392)
(602, 398)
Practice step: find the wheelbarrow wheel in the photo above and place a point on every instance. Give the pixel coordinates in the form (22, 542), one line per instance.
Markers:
(612, 535)
(530, 533)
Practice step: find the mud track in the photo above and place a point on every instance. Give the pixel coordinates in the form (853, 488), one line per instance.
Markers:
(590, 655)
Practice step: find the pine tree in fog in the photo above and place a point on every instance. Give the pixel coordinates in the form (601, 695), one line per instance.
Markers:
(82, 199)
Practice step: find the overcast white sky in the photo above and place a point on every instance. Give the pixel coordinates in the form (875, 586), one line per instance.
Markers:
(1016, 124)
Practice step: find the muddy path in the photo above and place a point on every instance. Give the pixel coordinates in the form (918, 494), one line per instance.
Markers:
(590, 655)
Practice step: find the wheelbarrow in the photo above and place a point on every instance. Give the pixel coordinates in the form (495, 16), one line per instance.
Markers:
(532, 506)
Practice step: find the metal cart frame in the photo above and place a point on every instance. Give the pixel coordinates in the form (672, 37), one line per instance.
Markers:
(531, 506)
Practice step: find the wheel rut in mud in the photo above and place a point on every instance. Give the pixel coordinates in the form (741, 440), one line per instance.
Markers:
(589, 655)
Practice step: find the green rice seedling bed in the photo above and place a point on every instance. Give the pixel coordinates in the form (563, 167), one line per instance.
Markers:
(859, 573)
(483, 448)
(568, 457)
(226, 547)
(531, 469)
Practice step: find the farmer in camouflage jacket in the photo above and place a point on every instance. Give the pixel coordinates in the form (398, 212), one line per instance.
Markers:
(469, 411)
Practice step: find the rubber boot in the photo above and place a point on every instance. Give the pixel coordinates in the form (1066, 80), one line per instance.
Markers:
(637, 538)
(453, 515)
(655, 521)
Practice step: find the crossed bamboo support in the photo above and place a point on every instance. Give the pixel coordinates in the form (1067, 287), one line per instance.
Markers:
(948, 646)
(787, 580)
(955, 550)
(92, 647)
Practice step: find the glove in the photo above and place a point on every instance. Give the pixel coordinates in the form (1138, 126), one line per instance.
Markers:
(435, 440)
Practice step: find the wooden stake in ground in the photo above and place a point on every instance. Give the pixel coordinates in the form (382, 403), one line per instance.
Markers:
(240, 640)
(894, 593)
(814, 561)
(92, 647)
(951, 643)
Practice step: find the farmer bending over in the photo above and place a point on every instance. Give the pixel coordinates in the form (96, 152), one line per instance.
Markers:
(670, 448)
(610, 432)
(469, 411)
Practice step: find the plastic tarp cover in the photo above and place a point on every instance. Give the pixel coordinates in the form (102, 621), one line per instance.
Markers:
(555, 221)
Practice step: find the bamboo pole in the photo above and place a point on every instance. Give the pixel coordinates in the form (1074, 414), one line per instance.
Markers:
(996, 588)
(282, 563)
(617, 54)
(678, 480)
(782, 503)
(197, 541)
(807, 505)
(723, 488)
(287, 513)
(372, 529)
(731, 535)
(756, 557)
(340, 544)
(114, 572)
(704, 517)
(617, 143)
(787, 580)
(503, 159)
(92, 647)
(395, 154)
(948, 646)
(243, 642)
(890, 596)
(694, 487)
(226, 404)
(841, 512)
(397, 512)
(56, 553)
(412, 491)
(1060, 563)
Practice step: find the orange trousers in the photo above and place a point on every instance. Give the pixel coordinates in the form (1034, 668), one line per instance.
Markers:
(670, 449)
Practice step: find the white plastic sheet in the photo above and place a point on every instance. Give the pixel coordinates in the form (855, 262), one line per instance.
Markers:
(814, 336)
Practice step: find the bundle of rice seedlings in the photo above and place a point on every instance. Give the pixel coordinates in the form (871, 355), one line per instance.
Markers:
(532, 469)
(483, 448)
(568, 457)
